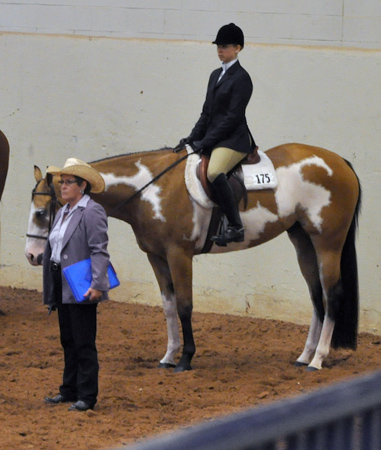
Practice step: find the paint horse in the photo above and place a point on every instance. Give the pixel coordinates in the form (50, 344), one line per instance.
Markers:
(4, 161)
(317, 202)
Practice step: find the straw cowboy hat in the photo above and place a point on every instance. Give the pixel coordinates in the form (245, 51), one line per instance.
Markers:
(78, 168)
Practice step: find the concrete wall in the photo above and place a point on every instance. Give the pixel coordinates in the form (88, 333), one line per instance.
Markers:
(349, 23)
(104, 89)
(91, 97)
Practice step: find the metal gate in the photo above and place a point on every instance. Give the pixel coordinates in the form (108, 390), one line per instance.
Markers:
(345, 416)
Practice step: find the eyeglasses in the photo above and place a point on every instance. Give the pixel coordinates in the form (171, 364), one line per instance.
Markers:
(67, 182)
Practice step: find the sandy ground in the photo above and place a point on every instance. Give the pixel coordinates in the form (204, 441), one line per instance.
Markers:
(240, 363)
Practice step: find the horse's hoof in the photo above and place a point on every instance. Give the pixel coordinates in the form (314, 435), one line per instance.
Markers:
(312, 369)
(166, 366)
(300, 364)
(180, 368)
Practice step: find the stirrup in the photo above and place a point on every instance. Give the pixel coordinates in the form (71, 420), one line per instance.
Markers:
(229, 235)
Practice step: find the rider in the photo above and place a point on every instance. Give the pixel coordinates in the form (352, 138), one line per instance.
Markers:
(222, 130)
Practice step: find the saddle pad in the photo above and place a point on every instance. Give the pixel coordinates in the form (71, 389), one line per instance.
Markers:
(193, 184)
(261, 175)
(256, 176)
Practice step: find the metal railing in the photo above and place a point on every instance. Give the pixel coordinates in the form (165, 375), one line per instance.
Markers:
(345, 416)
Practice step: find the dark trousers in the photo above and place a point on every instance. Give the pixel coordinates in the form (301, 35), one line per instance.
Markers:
(78, 329)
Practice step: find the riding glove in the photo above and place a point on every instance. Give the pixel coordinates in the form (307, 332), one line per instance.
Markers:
(181, 145)
(196, 146)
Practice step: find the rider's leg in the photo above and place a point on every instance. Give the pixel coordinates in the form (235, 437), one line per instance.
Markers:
(221, 162)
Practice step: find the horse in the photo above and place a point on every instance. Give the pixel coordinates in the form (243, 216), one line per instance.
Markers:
(4, 161)
(316, 201)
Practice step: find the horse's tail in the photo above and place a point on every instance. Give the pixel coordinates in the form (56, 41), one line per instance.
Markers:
(346, 324)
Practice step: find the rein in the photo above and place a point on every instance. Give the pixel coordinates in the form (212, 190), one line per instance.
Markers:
(135, 194)
(52, 209)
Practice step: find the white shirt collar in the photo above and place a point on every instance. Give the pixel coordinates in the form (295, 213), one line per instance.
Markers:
(227, 66)
(82, 202)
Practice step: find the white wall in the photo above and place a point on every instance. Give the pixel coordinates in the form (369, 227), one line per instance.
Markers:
(347, 23)
(91, 97)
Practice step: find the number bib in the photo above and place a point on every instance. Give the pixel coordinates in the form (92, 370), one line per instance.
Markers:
(261, 175)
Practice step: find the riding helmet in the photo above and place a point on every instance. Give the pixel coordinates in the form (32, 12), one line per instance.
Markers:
(229, 34)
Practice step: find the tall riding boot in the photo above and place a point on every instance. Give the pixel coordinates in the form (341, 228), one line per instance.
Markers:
(228, 204)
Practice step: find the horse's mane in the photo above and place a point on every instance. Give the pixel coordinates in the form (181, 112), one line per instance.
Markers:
(131, 153)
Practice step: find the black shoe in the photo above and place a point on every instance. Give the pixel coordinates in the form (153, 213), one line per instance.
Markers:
(80, 405)
(226, 201)
(57, 399)
(230, 235)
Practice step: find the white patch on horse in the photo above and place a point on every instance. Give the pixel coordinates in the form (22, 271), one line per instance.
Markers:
(294, 190)
(200, 219)
(255, 221)
(174, 342)
(150, 194)
(35, 245)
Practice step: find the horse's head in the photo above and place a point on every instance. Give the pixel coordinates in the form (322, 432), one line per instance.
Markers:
(45, 203)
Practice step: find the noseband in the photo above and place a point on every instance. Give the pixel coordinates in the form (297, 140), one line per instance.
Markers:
(52, 209)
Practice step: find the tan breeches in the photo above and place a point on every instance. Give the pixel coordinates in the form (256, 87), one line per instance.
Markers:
(222, 160)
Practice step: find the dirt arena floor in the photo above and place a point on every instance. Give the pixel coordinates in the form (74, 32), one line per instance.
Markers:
(240, 363)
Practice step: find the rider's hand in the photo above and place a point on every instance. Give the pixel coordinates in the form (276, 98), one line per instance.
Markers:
(196, 146)
(181, 145)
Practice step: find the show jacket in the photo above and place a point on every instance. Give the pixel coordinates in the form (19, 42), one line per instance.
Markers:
(85, 237)
(222, 122)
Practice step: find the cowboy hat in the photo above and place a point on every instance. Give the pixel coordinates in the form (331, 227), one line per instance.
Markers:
(78, 168)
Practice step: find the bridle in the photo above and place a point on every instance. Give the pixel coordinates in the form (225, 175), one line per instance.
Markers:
(52, 209)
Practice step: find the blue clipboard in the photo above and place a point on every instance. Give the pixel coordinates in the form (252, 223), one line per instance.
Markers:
(79, 277)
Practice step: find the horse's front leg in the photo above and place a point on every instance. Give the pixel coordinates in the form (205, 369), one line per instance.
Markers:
(180, 264)
(163, 276)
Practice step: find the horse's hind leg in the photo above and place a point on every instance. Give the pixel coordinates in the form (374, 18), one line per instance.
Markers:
(329, 263)
(163, 276)
(311, 342)
(309, 267)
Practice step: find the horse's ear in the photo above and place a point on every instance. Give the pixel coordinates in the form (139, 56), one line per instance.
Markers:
(49, 178)
(37, 174)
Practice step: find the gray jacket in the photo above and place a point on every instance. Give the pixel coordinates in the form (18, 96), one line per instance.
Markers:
(85, 237)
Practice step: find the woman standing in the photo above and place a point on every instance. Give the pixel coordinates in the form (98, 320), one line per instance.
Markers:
(222, 130)
(79, 232)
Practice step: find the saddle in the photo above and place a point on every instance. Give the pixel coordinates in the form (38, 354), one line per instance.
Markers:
(236, 181)
(235, 176)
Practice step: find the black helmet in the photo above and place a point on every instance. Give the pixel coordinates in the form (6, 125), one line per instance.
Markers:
(229, 34)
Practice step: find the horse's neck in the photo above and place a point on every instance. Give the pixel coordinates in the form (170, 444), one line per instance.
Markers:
(128, 175)
(119, 173)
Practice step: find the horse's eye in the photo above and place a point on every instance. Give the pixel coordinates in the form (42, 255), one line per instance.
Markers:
(40, 213)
